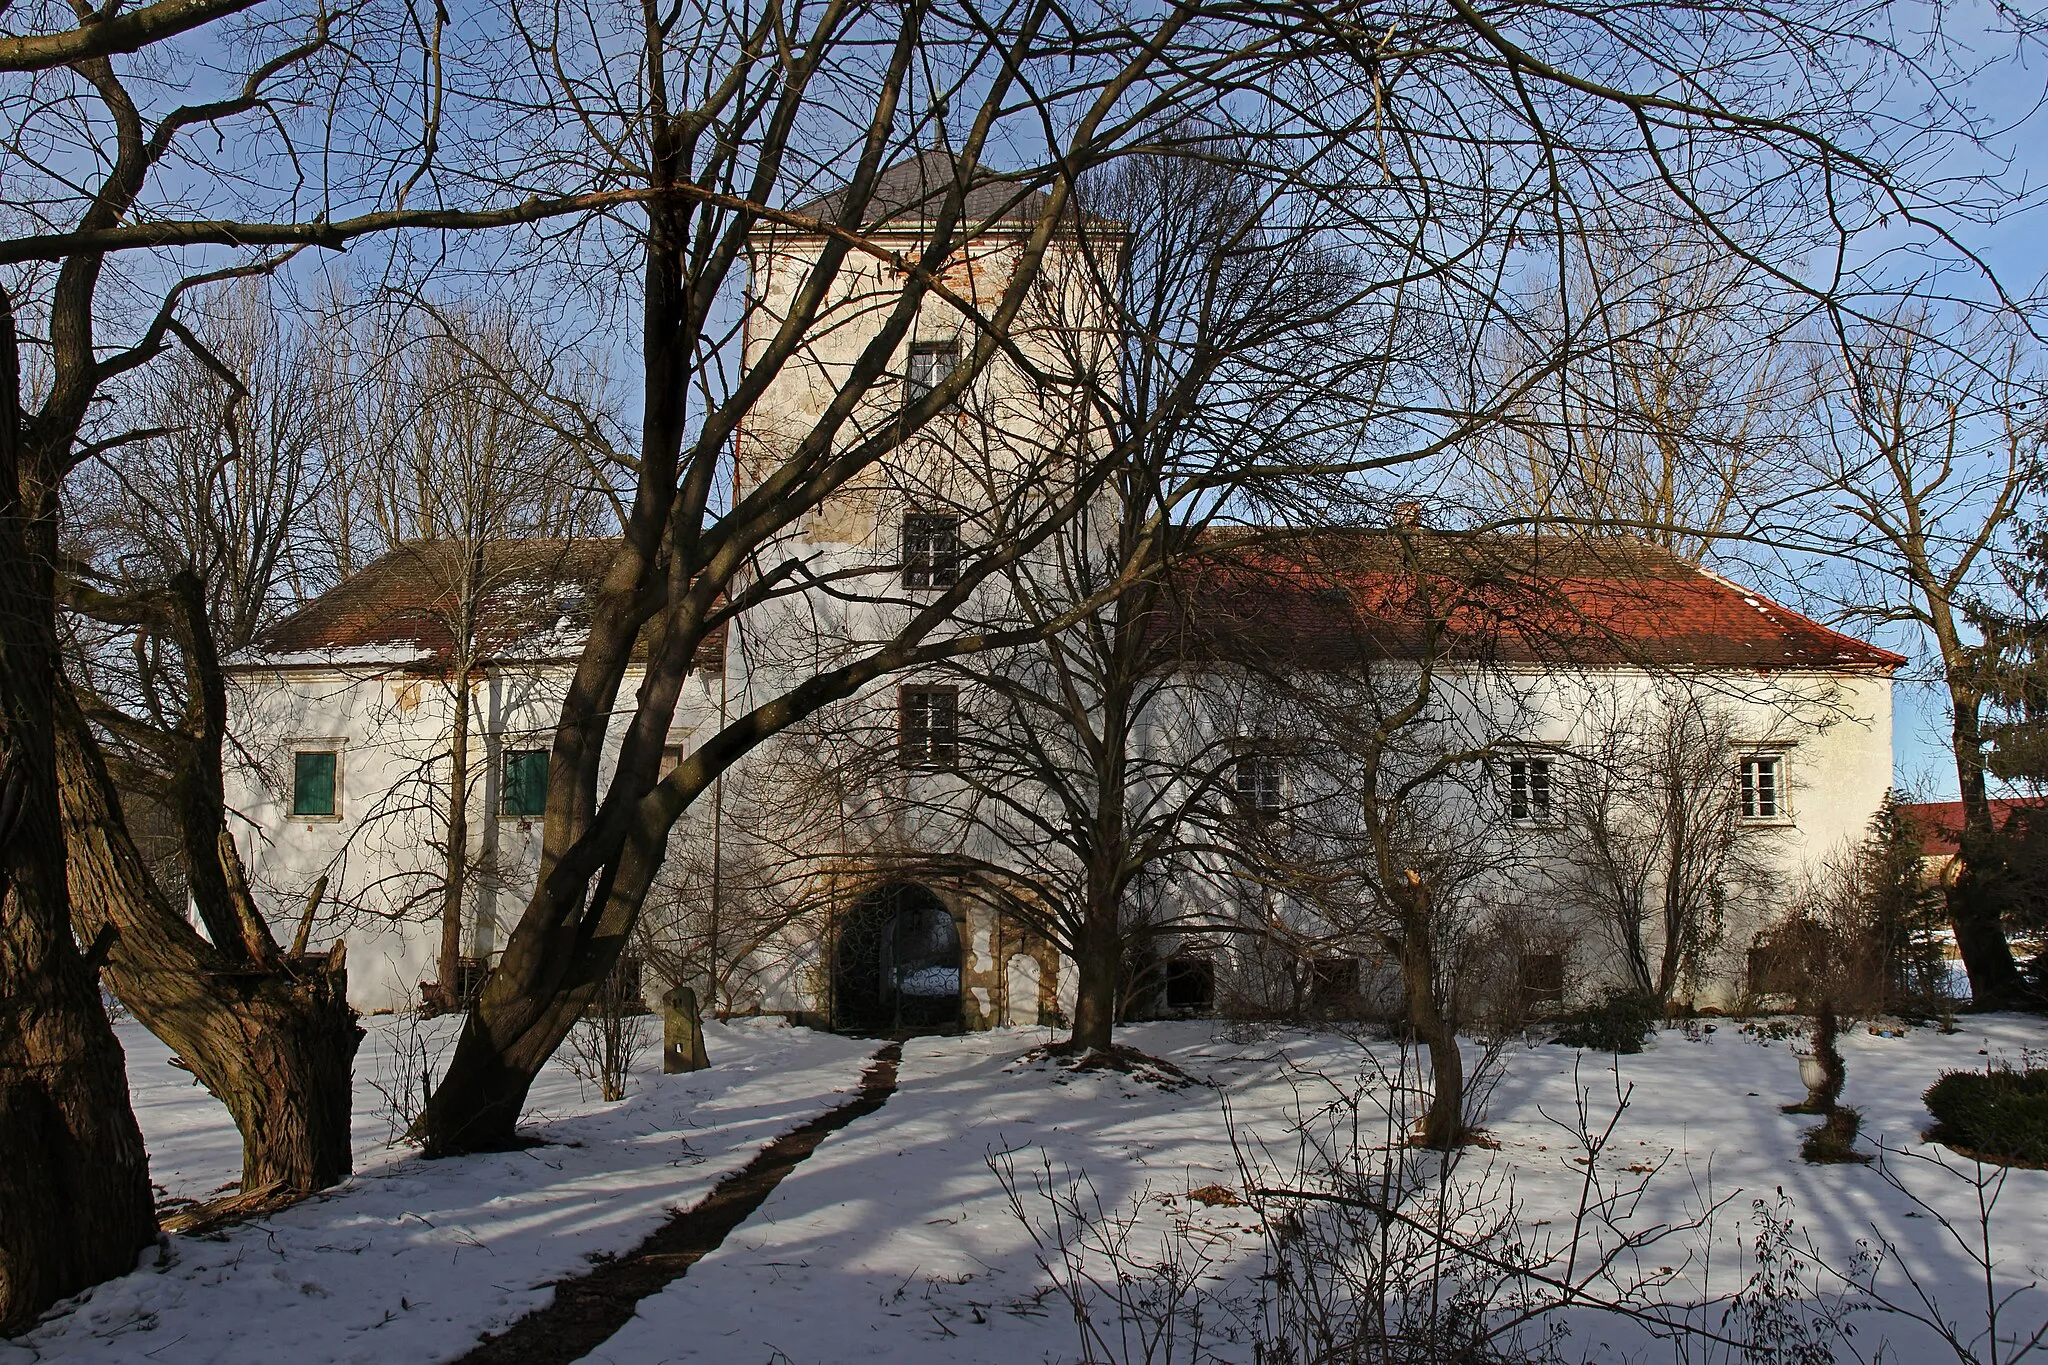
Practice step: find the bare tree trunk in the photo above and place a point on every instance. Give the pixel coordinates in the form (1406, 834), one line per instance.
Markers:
(75, 1202)
(1974, 900)
(1443, 1125)
(1675, 918)
(1095, 1001)
(276, 1045)
(456, 881)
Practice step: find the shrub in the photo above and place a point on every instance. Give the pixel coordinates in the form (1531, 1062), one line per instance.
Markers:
(1834, 1141)
(2000, 1115)
(1621, 1022)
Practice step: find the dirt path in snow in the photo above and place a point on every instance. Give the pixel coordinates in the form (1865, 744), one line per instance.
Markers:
(589, 1308)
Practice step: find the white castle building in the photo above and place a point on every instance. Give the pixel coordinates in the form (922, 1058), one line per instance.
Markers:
(847, 877)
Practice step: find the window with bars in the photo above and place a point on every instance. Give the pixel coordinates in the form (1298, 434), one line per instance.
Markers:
(931, 551)
(1260, 786)
(523, 793)
(928, 726)
(1761, 781)
(931, 362)
(1529, 789)
(316, 783)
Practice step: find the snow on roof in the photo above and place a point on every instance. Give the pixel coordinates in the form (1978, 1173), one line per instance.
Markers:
(400, 611)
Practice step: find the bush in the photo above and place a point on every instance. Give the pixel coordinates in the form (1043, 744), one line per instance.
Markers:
(1619, 1023)
(2000, 1115)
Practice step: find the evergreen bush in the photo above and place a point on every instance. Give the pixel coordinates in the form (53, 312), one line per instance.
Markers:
(1621, 1022)
(2000, 1115)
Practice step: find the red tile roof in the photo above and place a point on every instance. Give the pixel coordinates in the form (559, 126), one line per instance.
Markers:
(1333, 598)
(1941, 822)
(399, 610)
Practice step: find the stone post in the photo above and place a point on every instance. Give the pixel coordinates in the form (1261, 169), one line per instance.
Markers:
(682, 1033)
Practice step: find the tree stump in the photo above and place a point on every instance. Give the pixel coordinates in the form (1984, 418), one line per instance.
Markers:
(682, 1033)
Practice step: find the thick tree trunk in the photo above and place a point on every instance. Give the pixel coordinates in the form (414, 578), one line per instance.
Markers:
(75, 1202)
(457, 874)
(1099, 961)
(276, 1044)
(1975, 902)
(1443, 1125)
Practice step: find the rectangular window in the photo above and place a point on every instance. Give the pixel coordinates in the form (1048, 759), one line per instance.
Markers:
(671, 759)
(931, 551)
(1259, 789)
(1763, 787)
(928, 726)
(930, 364)
(1529, 789)
(525, 791)
(315, 790)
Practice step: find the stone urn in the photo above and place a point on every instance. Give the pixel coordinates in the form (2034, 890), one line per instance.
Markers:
(1814, 1073)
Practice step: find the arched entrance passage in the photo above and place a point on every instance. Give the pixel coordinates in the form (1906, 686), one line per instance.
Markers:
(896, 963)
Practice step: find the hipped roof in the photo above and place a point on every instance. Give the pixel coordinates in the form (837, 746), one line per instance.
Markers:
(1332, 599)
(400, 611)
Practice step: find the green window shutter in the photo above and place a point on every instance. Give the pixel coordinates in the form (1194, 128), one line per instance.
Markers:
(313, 783)
(526, 783)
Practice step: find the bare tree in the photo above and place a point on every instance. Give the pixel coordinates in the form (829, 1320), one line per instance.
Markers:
(1658, 838)
(201, 529)
(1387, 731)
(1670, 409)
(1221, 357)
(1445, 138)
(100, 165)
(1926, 437)
(972, 257)
(451, 467)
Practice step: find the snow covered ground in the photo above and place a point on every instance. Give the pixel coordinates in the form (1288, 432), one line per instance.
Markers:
(896, 1241)
(412, 1259)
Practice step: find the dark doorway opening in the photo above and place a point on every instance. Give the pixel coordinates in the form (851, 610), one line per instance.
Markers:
(896, 963)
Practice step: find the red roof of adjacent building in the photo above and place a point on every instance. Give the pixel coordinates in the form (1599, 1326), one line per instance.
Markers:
(401, 609)
(1941, 822)
(1332, 598)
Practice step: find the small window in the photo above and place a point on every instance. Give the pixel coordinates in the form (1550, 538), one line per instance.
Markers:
(526, 783)
(315, 790)
(1529, 789)
(1259, 787)
(1762, 782)
(928, 721)
(930, 364)
(931, 551)
(1190, 983)
(671, 759)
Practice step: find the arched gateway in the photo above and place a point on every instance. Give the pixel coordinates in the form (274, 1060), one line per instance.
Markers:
(896, 963)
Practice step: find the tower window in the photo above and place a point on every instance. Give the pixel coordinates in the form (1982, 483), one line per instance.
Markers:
(931, 551)
(931, 362)
(928, 726)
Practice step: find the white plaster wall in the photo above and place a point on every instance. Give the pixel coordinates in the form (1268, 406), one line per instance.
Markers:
(380, 853)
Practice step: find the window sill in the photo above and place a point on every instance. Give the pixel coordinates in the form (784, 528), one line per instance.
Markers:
(334, 819)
